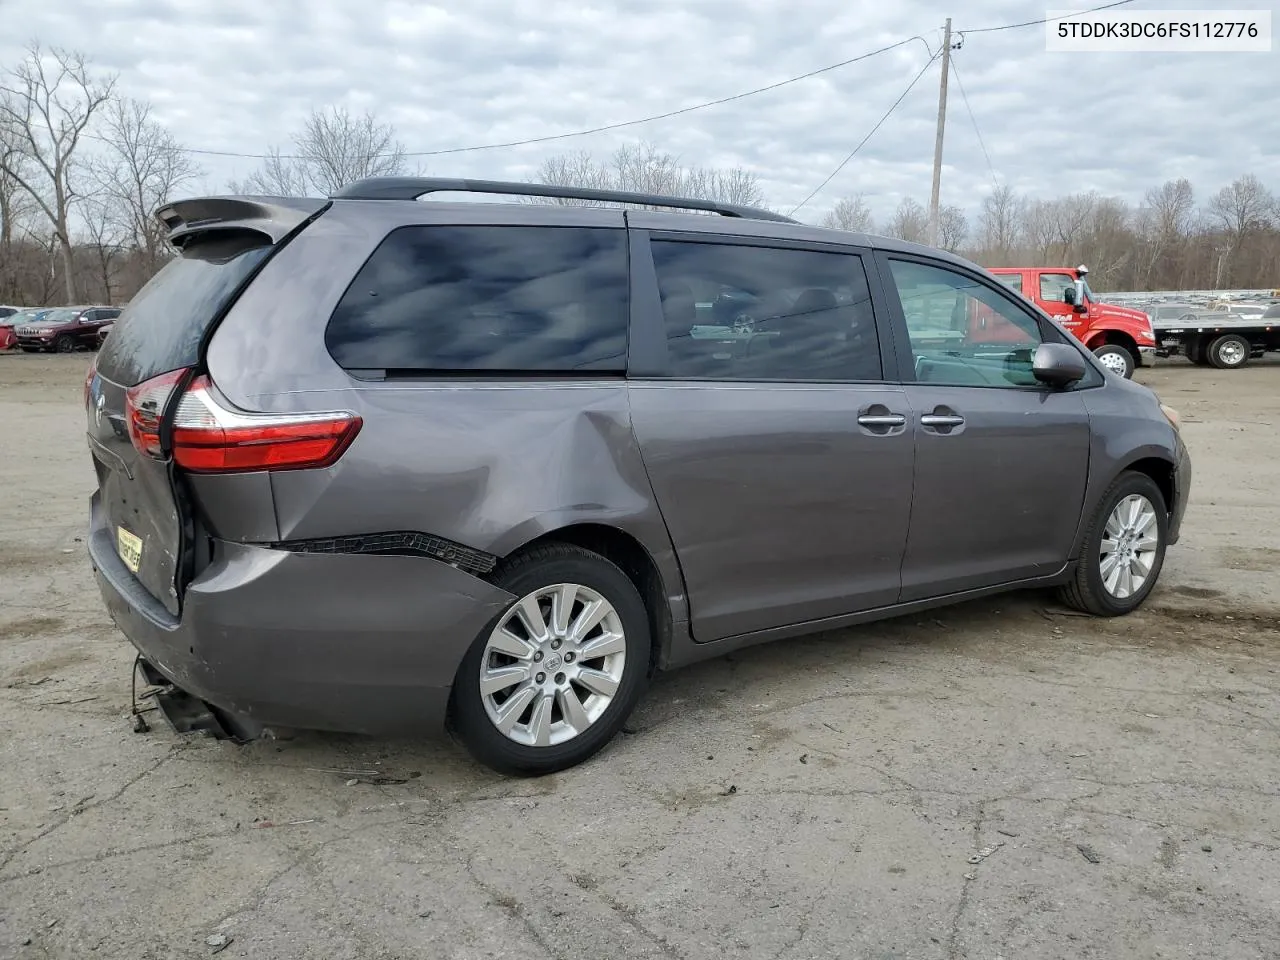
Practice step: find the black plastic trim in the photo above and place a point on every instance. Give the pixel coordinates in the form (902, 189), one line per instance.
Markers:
(411, 188)
(400, 543)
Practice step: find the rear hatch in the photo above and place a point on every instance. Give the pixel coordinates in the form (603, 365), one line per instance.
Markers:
(153, 353)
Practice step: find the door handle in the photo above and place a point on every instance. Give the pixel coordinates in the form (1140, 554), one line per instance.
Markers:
(882, 420)
(941, 420)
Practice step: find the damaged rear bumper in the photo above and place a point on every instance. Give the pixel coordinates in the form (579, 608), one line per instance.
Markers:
(270, 638)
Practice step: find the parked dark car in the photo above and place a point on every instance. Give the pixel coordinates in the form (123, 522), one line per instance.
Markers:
(63, 329)
(368, 464)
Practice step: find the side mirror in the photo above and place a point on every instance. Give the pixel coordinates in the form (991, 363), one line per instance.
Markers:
(1069, 296)
(1057, 365)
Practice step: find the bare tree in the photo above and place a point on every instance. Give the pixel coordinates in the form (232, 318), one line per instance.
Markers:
(15, 206)
(852, 214)
(334, 148)
(953, 227)
(1244, 207)
(998, 222)
(644, 168)
(910, 221)
(105, 232)
(140, 171)
(46, 104)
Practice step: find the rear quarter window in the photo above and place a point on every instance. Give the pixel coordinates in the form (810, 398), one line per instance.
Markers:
(161, 327)
(449, 299)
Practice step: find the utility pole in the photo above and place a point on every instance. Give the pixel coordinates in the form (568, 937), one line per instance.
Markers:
(937, 146)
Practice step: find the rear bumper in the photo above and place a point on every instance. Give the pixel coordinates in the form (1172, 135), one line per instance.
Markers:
(351, 643)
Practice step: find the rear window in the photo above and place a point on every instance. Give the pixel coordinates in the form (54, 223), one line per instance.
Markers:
(161, 327)
(442, 299)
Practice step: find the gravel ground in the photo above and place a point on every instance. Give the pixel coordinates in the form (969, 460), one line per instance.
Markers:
(1116, 781)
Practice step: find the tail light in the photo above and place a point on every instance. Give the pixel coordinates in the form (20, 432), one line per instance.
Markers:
(209, 437)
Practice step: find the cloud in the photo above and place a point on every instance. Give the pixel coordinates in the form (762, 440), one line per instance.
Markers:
(239, 75)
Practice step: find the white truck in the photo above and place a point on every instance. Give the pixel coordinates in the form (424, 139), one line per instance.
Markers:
(1225, 338)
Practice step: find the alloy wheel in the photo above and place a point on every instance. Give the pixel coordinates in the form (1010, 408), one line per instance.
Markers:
(552, 665)
(1127, 553)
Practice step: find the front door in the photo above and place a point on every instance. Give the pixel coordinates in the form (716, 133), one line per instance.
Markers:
(779, 457)
(1001, 461)
(1052, 293)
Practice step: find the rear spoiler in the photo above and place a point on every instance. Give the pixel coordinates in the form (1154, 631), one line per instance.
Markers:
(273, 217)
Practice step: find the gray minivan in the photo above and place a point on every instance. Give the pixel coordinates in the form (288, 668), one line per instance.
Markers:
(375, 463)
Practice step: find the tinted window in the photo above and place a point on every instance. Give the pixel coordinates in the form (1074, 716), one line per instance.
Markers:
(1011, 280)
(963, 332)
(498, 299)
(161, 328)
(1053, 287)
(764, 313)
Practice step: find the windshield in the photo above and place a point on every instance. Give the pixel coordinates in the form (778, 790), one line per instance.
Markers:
(58, 316)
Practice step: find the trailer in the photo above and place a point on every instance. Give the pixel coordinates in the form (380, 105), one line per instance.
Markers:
(1226, 339)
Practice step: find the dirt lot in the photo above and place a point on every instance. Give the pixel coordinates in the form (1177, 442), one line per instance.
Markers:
(818, 798)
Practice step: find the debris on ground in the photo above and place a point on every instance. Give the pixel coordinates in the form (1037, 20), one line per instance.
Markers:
(1006, 833)
(1088, 853)
(219, 942)
(729, 790)
(986, 852)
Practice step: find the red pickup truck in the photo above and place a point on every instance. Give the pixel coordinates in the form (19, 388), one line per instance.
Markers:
(1118, 336)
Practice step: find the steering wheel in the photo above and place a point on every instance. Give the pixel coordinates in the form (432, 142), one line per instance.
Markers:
(744, 323)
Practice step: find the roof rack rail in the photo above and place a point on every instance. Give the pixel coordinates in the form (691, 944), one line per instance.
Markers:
(411, 188)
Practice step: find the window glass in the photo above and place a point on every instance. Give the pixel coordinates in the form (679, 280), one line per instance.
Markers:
(497, 299)
(1053, 287)
(1011, 280)
(161, 328)
(964, 332)
(765, 313)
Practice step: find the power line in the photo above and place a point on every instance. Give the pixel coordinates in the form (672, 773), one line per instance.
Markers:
(604, 127)
(863, 141)
(659, 116)
(995, 180)
(1034, 23)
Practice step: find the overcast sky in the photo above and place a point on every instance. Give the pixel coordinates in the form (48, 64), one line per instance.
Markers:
(238, 75)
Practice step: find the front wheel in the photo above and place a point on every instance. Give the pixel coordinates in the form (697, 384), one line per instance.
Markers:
(1229, 352)
(1116, 359)
(1123, 550)
(64, 344)
(554, 676)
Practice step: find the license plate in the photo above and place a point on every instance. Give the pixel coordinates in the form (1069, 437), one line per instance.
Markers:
(129, 547)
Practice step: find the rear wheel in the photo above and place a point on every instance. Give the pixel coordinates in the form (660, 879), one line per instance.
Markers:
(64, 344)
(554, 676)
(1229, 351)
(1123, 550)
(1116, 359)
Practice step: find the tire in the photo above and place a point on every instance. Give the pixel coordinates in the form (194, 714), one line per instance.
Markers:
(1088, 590)
(526, 576)
(1229, 352)
(64, 344)
(1116, 359)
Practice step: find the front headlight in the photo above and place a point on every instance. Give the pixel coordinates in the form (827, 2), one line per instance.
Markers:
(1171, 415)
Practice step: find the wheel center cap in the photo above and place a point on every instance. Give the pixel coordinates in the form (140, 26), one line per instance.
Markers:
(554, 662)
